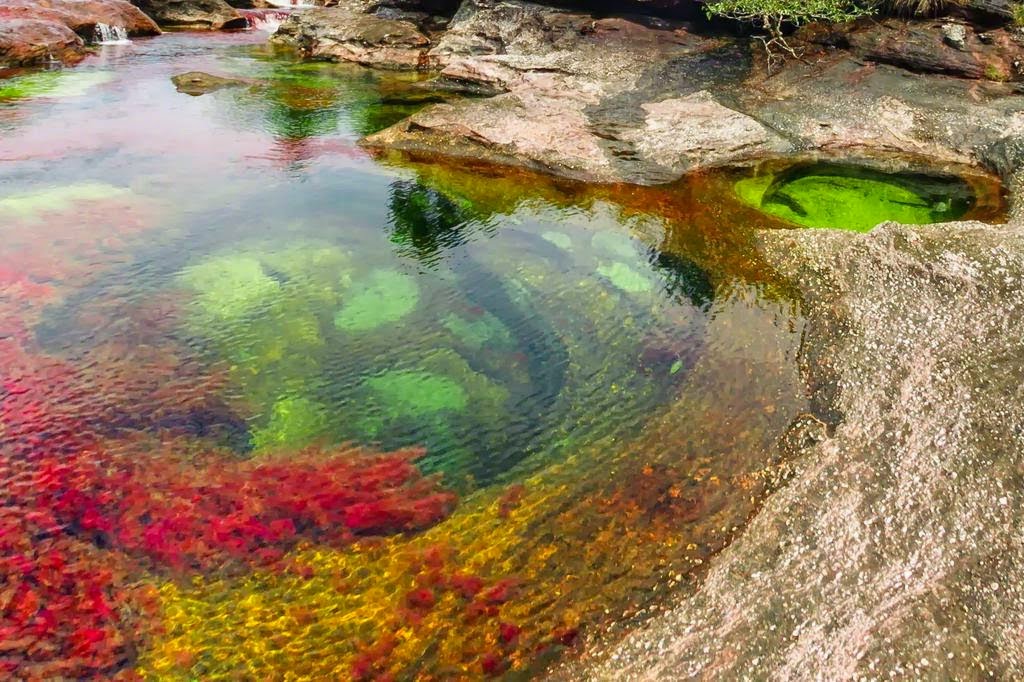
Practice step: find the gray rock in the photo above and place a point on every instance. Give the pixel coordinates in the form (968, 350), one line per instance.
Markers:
(955, 35)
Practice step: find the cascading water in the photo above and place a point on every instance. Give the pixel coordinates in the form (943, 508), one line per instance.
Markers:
(268, 20)
(110, 35)
(294, 4)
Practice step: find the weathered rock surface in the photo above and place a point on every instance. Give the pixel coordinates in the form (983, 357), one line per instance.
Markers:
(194, 14)
(347, 34)
(81, 16)
(926, 47)
(897, 547)
(583, 97)
(27, 42)
(39, 31)
(645, 101)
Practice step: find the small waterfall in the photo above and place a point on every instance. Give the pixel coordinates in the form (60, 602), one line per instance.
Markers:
(110, 35)
(294, 4)
(267, 20)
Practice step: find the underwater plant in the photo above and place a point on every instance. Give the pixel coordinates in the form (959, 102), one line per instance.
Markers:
(854, 198)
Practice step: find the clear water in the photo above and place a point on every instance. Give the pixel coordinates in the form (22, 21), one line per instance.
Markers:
(226, 330)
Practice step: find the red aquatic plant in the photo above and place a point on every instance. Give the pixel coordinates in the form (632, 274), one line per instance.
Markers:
(83, 511)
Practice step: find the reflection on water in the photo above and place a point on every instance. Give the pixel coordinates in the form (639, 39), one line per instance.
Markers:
(270, 406)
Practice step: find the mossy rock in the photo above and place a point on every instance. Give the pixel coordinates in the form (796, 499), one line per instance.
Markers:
(852, 198)
(385, 297)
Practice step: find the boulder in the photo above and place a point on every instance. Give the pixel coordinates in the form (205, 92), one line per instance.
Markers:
(346, 34)
(953, 49)
(81, 16)
(30, 42)
(194, 14)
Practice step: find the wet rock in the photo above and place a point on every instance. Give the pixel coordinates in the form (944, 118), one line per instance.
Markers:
(197, 83)
(588, 98)
(81, 16)
(347, 34)
(29, 42)
(896, 545)
(36, 32)
(950, 49)
(194, 14)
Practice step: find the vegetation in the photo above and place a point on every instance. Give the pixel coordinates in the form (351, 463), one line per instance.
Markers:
(1018, 13)
(774, 15)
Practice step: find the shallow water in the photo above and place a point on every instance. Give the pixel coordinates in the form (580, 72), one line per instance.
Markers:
(274, 409)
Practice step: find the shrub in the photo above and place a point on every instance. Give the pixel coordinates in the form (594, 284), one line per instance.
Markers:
(773, 15)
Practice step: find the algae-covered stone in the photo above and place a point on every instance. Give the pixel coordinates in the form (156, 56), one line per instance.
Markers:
(32, 205)
(415, 393)
(230, 287)
(264, 314)
(294, 422)
(485, 329)
(625, 277)
(559, 239)
(386, 296)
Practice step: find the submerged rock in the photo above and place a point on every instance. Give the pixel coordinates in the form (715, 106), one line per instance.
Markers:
(197, 83)
(195, 14)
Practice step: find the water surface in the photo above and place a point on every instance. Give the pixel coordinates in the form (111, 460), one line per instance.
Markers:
(273, 409)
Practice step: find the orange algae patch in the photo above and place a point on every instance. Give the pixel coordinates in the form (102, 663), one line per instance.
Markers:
(516, 575)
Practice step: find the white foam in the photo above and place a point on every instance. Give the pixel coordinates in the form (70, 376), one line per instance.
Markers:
(110, 35)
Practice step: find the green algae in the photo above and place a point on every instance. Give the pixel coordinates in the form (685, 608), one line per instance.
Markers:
(559, 239)
(825, 195)
(263, 315)
(230, 287)
(52, 84)
(385, 297)
(295, 421)
(485, 330)
(625, 277)
(33, 205)
(416, 393)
